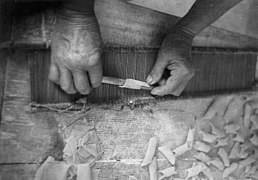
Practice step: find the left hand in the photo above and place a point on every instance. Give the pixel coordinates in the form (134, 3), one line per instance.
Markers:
(174, 54)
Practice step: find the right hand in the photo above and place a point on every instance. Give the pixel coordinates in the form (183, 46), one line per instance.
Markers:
(76, 53)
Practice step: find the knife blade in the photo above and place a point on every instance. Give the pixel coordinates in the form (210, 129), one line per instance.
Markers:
(126, 83)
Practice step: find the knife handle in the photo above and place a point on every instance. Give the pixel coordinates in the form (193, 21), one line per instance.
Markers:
(113, 81)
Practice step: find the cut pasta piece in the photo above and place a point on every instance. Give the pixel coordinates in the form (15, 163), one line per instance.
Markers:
(195, 170)
(252, 170)
(168, 154)
(221, 142)
(217, 163)
(200, 146)
(181, 149)
(231, 128)
(224, 156)
(168, 172)
(247, 168)
(203, 158)
(247, 161)
(153, 169)
(243, 149)
(150, 151)
(234, 153)
(254, 139)
(238, 137)
(216, 131)
(254, 120)
(247, 114)
(207, 137)
(190, 136)
(132, 178)
(230, 169)
(83, 172)
(218, 106)
(207, 172)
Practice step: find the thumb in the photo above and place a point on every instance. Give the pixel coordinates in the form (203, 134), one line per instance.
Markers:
(157, 71)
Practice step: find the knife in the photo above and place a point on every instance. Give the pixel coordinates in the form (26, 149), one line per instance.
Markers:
(126, 83)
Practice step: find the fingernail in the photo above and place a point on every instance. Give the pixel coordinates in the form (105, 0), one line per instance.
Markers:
(149, 79)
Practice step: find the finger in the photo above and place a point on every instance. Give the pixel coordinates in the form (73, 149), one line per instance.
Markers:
(96, 74)
(174, 85)
(81, 82)
(66, 82)
(54, 73)
(157, 71)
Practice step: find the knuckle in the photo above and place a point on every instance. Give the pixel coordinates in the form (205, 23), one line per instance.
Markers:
(94, 59)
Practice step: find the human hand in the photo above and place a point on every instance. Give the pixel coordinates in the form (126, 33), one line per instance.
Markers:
(76, 53)
(174, 54)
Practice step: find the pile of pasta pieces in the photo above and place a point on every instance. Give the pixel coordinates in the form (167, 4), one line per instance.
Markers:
(224, 145)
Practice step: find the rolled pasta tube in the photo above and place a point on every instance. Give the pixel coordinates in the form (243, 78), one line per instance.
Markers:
(254, 139)
(195, 170)
(234, 153)
(168, 154)
(207, 137)
(231, 128)
(181, 149)
(216, 131)
(200, 146)
(150, 151)
(224, 156)
(238, 137)
(247, 114)
(247, 161)
(230, 169)
(153, 169)
(83, 172)
(221, 142)
(203, 158)
(168, 172)
(217, 163)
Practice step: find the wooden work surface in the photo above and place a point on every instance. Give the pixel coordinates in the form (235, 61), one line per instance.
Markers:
(28, 138)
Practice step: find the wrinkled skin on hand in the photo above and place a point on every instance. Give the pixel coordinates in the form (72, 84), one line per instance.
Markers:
(174, 54)
(76, 54)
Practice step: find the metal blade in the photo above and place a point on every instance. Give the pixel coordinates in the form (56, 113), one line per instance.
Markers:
(134, 84)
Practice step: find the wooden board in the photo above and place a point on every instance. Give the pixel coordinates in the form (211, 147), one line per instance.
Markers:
(215, 71)
(120, 24)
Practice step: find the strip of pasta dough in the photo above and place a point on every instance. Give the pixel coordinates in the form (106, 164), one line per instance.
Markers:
(41, 169)
(227, 171)
(200, 146)
(217, 163)
(207, 137)
(219, 106)
(216, 131)
(150, 151)
(83, 172)
(224, 156)
(168, 172)
(168, 154)
(153, 169)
